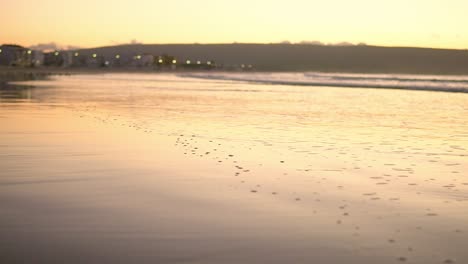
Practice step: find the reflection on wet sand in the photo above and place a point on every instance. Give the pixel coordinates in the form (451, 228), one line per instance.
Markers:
(163, 169)
(11, 93)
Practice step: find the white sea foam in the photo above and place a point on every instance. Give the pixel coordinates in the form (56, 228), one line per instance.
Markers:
(390, 81)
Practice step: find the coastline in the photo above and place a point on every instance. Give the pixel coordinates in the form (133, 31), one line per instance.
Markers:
(18, 74)
(10, 74)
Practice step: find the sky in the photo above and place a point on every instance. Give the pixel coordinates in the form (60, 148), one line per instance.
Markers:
(93, 23)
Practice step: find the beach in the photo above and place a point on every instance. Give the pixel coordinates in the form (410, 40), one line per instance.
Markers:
(177, 168)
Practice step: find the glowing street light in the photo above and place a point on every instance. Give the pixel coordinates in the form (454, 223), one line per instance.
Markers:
(160, 61)
(208, 62)
(138, 57)
(174, 61)
(198, 62)
(0, 50)
(76, 54)
(56, 53)
(117, 56)
(188, 61)
(94, 55)
(29, 52)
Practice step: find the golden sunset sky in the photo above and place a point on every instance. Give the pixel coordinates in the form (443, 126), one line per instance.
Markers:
(91, 23)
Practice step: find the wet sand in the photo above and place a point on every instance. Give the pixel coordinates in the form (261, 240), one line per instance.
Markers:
(140, 168)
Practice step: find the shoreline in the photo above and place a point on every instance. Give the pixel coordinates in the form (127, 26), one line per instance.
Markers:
(11, 74)
(15, 74)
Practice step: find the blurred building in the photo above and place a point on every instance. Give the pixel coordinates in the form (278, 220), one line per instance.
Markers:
(78, 60)
(15, 55)
(10, 54)
(144, 60)
(36, 58)
(58, 59)
(95, 61)
(196, 65)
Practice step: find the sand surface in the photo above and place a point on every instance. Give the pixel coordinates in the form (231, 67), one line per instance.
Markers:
(141, 168)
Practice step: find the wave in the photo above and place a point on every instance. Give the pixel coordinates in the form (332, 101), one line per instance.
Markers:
(458, 84)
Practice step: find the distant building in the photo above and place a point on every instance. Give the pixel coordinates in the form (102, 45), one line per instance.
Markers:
(9, 54)
(166, 62)
(145, 60)
(12, 55)
(196, 65)
(116, 61)
(15, 55)
(37, 58)
(95, 61)
(67, 58)
(78, 60)
(58, 59)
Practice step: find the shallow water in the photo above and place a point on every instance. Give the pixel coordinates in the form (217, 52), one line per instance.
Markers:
(443, 83)
(159, 168)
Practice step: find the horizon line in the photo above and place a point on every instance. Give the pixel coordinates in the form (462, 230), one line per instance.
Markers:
(339, 44)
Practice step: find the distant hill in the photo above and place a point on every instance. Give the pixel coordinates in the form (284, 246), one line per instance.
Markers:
(306, 57)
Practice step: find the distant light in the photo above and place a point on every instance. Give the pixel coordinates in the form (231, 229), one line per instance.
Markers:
(188, 62)
(94, 55)
(208, 62)
(160, 61)
(243, 66)
(76, 54)
(29, 52)
(174, 61)
(138, 57)
(250, 66)
(106, 63)
(0, 50)
(117, 56)
(199, 62)
(56, 53)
